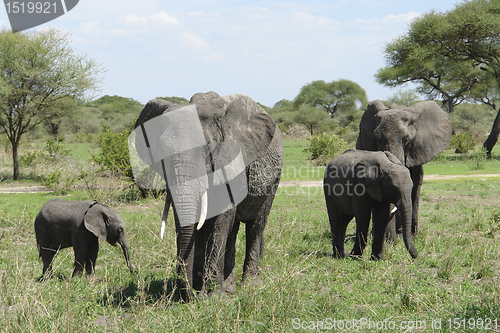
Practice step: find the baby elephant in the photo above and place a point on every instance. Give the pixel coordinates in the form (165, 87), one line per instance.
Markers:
(358, 183)
(61, 224)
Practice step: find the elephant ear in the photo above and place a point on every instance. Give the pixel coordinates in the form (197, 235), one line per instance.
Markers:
(95, 220)
(366, 138)
(433, 133)
(248, 125)
(370, 179)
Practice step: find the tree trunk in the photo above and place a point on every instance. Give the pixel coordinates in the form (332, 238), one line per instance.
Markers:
(493, 137)
(15, 159)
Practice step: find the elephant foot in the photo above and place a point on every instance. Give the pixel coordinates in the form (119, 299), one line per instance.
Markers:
(340, 254)
(93, 278)
(229, 286)
(252, 280)
(377, 256)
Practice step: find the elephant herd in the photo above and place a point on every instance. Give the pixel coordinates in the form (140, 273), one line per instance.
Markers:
(221, 161)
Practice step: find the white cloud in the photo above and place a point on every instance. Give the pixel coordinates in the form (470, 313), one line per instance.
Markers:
(133, 20)
(193, 42)
(90, 28)
(389, 21)
(157, 19)
(308, 20)
(162, 18)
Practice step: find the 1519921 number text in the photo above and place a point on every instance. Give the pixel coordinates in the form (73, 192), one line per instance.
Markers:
(21, 7)
(472, 323)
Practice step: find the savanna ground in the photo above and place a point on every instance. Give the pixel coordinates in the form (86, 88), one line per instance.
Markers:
(453, 286)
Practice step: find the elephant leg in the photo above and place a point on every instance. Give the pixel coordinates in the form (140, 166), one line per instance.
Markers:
(92, 256)
(362, 215)
(199, 254)
(215, 251)
(417, 176)
(47, 256)
(390, 231)
(338, 226)
(253, 231)
(229, 284)
(81, 254)
(381, 215)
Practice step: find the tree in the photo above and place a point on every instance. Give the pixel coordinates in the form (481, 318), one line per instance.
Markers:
(468, 34)
(37, 70)
(407, 98)
(59, 108)
(119, 112)
(337, 95)
(312, 118)
(175, 100)
(410, 58)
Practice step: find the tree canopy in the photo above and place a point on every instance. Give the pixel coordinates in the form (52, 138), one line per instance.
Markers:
(411, 58)
(342, 95)
(36, 71)
(459, 48)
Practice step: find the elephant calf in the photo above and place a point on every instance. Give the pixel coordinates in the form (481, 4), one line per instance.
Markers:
(358, 183)
(61, 224)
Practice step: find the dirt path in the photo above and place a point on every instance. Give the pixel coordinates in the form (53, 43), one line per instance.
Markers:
(314, 183)
(288, 183)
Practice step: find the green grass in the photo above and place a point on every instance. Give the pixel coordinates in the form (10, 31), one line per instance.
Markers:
(455, 276)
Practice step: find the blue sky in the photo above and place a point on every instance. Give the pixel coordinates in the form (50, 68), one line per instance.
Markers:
(267, 50)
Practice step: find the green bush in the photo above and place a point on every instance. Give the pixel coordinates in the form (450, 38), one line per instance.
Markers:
(114, 155)
(477, 159)
(462, 142)
(56, 149)
(324, 146)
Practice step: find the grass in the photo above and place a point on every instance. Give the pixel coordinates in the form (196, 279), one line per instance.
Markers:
(455, 276)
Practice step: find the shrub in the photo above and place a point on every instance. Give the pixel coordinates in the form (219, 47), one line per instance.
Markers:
(477, 159)
(114, 155)
(462, 142)
(324, 146)
(56, 149)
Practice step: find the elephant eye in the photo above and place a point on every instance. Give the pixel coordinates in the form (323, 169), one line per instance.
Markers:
(120, 230)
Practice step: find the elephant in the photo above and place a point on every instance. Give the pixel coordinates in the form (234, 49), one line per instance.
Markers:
(413, 134)
(221, 159)
(78, 224)
(358, 183)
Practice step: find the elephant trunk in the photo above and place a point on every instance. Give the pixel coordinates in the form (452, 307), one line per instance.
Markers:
(124, 246)
(404, 206)
(185, 260)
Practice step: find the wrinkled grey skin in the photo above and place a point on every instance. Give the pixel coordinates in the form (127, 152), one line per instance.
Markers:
(206, 257)
(78, 224)
(413, 134)
(358, 183)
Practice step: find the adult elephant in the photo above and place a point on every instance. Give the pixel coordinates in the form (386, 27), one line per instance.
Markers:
(221, 158)
(360, 182)
(413, 134)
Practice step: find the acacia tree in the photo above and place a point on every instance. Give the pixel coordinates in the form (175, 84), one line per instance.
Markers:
(468, 33)
(312, 118)
(411, 58)
(333, 96)
(36, 71)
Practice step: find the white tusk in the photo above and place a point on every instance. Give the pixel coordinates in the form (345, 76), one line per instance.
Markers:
(394, 210)
(204, 210)
(162, 230)
(165, 215)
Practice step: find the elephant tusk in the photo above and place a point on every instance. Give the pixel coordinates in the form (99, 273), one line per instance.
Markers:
(204, 210)
(162, 229)
(394, 210)
(165, 215)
